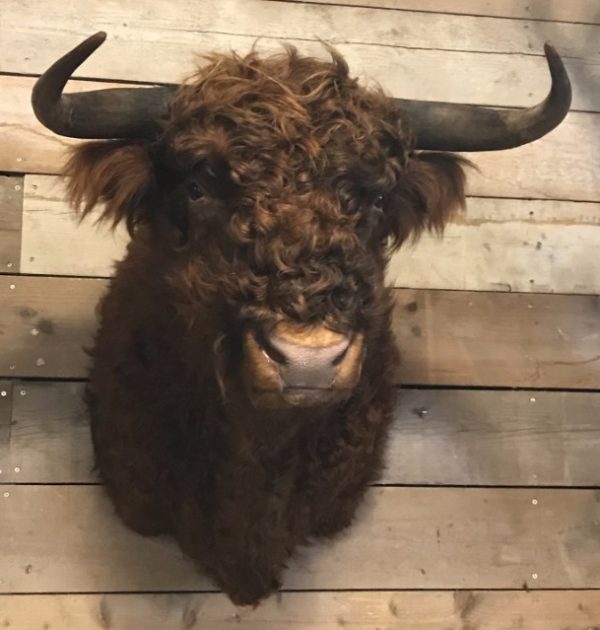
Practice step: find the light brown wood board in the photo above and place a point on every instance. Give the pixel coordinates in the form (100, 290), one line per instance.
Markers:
(439, 437)
(6, 410)
(562, 165)
(446, 337)
(59, 539)
(171, 33)
(391, 610)
(584, 11)
(11, 209)
(496, 244)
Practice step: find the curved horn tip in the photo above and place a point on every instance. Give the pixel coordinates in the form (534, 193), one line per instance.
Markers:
(558, 72)
(93, 42)
(555, 61)
(100, 36)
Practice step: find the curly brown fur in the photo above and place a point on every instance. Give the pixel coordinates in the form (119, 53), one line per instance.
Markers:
(274, 191)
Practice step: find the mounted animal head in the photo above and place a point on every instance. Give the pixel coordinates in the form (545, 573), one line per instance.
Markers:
(275, 189)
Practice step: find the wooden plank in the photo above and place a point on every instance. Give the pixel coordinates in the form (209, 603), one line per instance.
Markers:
(5, 427)
(56, 242)
(512, 438)
(11, 204)
(50, 439)
(45, 323)
(401, 51)
(498, 244)
(169, 33)
(421, 538)
(440, 437)
(498, 339)
(508, 245)
(27, 147)
(446, 337)
(484, 610)
(500, 79)
(529, 171)
(584, 11)
(536, 170)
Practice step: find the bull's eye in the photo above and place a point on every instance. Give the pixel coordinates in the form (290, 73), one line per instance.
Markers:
(194, 191)
(342, 299)
(379, 202)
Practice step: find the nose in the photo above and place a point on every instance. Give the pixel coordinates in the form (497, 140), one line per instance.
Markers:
(299, 365)
(306, 361)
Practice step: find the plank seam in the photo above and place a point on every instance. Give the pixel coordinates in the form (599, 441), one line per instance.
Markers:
(530, 294)
(420, 486)
(407, 387)
(526, 198)
(401, 10)
(129, 82)
(328, 590)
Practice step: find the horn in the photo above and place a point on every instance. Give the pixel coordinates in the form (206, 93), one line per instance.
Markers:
(100, 114)
(455, 127)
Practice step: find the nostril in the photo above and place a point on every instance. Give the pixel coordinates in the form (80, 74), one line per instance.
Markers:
(340, 357)
(270, 351)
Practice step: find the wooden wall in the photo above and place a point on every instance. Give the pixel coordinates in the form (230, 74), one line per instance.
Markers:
(487, 516)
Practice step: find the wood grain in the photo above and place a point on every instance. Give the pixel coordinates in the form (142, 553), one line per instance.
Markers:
(56, 242)
(423, 538)
(170, 32)
(512, 438)
(585, 11)
(439, 437)
(539, 170)
(6, 409)
(498, 244)
(498, 339)
(45, 323)
(49, 440)
(27, 147)
(11, 204)
(530, 171)
(446, 337)
(508, 245)
(483, 610)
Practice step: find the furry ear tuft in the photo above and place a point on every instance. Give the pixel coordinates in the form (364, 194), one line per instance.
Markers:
(118, 174)
(431, 191)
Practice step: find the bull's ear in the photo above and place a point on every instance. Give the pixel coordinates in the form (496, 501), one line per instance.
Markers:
(118, 175)
(431, 189)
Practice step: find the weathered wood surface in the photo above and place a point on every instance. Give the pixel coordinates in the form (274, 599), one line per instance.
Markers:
(439, 437)
(5, 426)
(11, 204)
(498, 339)
(49, 439)
(498, 244)
(512, 438)
(584, 11)
(66, 539)
(446, 337)
(508, 245)
(45, 323)
(541, 610)
(168, 32)
(563, 165)
(27, 147)
(56, 242)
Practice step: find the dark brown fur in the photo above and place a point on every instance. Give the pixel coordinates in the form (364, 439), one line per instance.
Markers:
(291, 157)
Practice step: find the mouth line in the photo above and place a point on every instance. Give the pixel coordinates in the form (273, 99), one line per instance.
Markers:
(295, 390)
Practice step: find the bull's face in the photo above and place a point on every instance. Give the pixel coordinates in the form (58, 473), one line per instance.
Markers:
(278, 185)
(274, 189)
